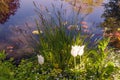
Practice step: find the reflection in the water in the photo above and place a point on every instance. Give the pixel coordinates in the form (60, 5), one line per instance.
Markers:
(86, 6)
(12, 37)
(112, 14)
(7, 8)
(112, 21)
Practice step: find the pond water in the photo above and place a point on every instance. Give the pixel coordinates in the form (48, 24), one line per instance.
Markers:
(18, 12)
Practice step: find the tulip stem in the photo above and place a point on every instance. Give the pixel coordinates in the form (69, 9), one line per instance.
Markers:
(80, 61)
(75, 62)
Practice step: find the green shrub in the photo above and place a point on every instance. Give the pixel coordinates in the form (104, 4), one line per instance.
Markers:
(6, 68)
(96, 64)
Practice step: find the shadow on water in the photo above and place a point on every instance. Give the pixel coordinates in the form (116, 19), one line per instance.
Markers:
(112, 22)
(7, 8)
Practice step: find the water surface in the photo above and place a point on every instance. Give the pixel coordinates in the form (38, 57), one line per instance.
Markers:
(20, 12)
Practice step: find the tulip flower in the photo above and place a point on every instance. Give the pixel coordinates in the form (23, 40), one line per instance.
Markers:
(77, 50)
(80, 53)
(74, 50)
(81, 50)
(40, 59)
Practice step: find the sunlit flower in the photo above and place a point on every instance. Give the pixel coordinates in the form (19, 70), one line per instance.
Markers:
(36, 32)
(77, 50)
(81, 50)
(40, 59)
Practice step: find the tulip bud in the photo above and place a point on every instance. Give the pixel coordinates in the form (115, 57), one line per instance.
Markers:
(40, 59)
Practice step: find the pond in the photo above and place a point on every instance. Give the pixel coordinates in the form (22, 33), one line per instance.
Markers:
(14, 14)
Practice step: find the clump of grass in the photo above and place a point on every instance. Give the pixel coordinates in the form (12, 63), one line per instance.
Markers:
(57, 37)
(55, 43)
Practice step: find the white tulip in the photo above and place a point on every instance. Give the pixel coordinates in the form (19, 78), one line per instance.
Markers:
(40, 59)
(81, 50)
(74, 50)
(77, 50)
